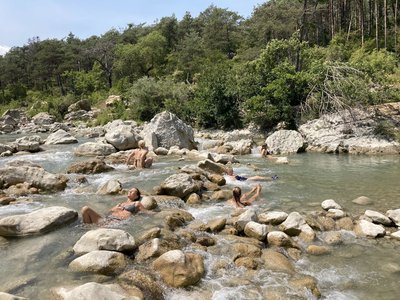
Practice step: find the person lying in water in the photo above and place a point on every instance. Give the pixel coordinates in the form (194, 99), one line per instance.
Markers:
(231, 174)
(138, 158)
(246, 199)
(121, 211)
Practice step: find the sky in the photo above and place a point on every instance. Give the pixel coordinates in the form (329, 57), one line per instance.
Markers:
(21, 20)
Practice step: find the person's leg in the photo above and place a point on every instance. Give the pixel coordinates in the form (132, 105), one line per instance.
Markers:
(89, 216)
(252, 198)
(148, 162)
(259, 178)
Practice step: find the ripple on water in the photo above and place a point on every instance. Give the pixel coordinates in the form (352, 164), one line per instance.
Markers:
(19, 208)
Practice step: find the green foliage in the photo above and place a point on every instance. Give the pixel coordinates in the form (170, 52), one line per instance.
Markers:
(148, 96)
(388, 130)
(56, 106)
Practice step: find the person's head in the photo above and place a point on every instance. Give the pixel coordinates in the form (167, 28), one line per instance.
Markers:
(264, 146)
(134, 194)
(141, 144)
(237, 193)
(229, 171)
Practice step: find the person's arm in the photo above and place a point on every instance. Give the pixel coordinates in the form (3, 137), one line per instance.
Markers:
(130, 156)
(246, 201)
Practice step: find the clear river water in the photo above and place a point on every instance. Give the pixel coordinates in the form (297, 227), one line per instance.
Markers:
(357, 269)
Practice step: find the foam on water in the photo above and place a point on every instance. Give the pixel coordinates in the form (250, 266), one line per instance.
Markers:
(19, 208)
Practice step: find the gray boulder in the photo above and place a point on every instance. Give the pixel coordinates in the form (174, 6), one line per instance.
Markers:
(91, 166)
(111, 187)
(99, 261)
(34, 175)
(105, 239)
(28, 143)
(179, 185)
(43, 118)
(293, 224)
(394, 215)
(286, 141)
(167, 130)
(122, 137)
(378, 218)
(94, 149)
(40, 221)
(83, 104)
(95, 291)
(368, 229)
(60, 137)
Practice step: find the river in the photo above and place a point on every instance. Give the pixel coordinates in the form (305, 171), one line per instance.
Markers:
(357, 269)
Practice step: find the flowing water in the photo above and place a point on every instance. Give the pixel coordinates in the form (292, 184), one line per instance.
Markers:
(357, 269)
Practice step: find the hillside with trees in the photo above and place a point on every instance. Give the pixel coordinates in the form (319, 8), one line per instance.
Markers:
(290, 61)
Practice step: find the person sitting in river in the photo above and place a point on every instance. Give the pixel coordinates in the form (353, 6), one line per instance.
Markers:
(230, 173)
(138, 158)
(265, 152)
(121, 211)
(238, 200)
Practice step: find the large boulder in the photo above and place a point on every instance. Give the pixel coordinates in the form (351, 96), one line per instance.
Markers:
(60, 137)
(83, 104)
(167, 130)
(91, 166)
(99, 261)
(95, 291)
(110, 187)
(28, 143)
(212, 167)
(240, 147)
(144, 280)
(256, 230)
(40, 221)
(122, 137)
(94, 149)
(105, 239)
(179, 269)
(286, 141)
(43, 118)
(293, 224)
(34, 175)
(394, 215)
(277, 262)
(179, 185)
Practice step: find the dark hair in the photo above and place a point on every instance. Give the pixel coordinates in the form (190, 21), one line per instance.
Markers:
(137, 193)
(264, 146)
(237, 193)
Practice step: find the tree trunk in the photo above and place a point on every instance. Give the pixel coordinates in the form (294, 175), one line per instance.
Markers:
(385, 20)
(395, 28)
(376, 25)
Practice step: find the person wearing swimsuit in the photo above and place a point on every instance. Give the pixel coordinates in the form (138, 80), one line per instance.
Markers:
(229, 172)
(121, 211)
(246, 199)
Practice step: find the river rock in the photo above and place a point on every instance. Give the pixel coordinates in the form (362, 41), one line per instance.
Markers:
(247, 262)
(95, 291)
(34, 175)
(378, 218)
(212, 167)
(161, 151)
(110, 187)
(21, 189)
(244, 218)
(293, 223)
(256, 230)
(43, 118)
(99, 261)
(317, 250)
(167, 130)
(179, 269)
(362, 200)
(241, 147)
(272, 217)
(396, 235)
(368, 229)
(244, 250)
(155, 248)
(394, 215)
(6, 296)
(165, 201)
(277, 262)
(28, 143)
(122, 138)
(105, 239)
(286, 141)
(40, 221)
(345, 223)
(83, 104)
(307, 233)
(91, 166)
(280, 239)
(217, 178)
(144, 280)
(333, 238)
(193, 199)
(149, 202)
(94, 149)
(224, 158)
(335, 213)
(330, 204)
(216, 225)
(307, 282)
(60, 137)
(179, 185)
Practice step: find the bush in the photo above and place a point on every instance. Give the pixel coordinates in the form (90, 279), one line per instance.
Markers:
(388, 130)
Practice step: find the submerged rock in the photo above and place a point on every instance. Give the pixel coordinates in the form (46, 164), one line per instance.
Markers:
(40, 221)
(99, 261)
(91, 166)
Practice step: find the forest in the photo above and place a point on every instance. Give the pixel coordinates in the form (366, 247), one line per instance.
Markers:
(291, 60)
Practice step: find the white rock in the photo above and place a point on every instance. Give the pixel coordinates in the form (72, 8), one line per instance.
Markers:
(330, 203)
(368, 229)
(256, 230)
(394, 215)
(272, 217)
(377, 217)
